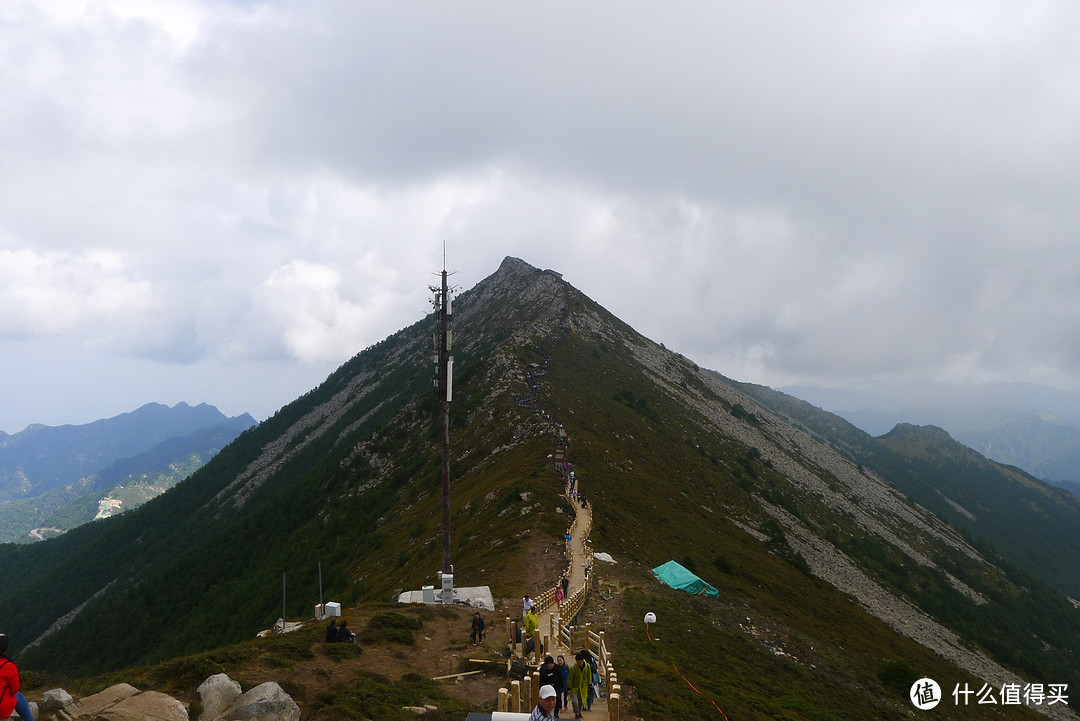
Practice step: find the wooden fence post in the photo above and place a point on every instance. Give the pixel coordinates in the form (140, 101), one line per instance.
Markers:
(613, 707)
(587, 639)
(503, 693)
(514, 636)
(515, 691)
(527, 689)
(535, 689)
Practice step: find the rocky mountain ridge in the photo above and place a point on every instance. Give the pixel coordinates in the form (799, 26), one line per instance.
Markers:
(795, 533)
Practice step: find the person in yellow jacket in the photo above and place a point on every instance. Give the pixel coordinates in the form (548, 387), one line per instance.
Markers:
(532, 625)
(577, 683)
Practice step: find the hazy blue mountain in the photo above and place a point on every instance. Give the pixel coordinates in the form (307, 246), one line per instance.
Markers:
(40, 458)
(60, 477)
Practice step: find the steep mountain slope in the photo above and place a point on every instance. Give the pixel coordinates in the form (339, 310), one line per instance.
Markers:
(834, 587)
(1036, 428)
(1026, 521)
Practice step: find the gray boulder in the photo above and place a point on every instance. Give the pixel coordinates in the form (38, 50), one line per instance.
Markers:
(217, 693)
(124, 702)
(55, 699)
(265, 702)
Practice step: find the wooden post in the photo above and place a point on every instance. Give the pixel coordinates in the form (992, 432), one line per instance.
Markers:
(573, 638)
(613, 707)
(601, 649)
(527, 689)
(535, 689)
(551, 624)
(547, 646)
(587, 639)
(515, 691)
(503, 694)
(609, 675)
(560, 634)
(514, 636)
(509, 631)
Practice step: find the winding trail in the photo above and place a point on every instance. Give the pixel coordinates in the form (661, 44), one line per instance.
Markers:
(555, 618)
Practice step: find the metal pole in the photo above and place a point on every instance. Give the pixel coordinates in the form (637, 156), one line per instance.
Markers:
(320, 585)
(283, 603)
(444, 392)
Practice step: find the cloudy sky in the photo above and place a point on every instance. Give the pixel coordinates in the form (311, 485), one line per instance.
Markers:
(213, 201)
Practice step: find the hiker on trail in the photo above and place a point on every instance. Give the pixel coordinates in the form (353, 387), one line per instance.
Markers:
(565, 586)
(547, 707)
(344, 635)
(331, 632)
(526, 604)
(558, 597)
(594, 677)
(577, 683)
(11, 699)
(477, 629)
(550, 675)
(532, 625)
(560, 663)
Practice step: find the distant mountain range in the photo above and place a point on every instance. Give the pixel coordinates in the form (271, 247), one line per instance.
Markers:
(54, 478)
(1033, 427)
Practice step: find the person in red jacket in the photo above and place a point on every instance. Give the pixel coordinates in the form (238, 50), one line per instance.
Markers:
(10, 698)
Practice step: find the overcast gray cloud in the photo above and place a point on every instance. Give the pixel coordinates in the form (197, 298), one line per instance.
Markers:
(220, 201)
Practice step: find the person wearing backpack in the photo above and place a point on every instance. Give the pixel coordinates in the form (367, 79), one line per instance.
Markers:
(11, 699)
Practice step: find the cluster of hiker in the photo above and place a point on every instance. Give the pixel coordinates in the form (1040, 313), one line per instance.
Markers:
(567, 686)
(339, 634)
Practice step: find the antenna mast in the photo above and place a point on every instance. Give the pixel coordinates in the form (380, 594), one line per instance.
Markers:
(444, 383)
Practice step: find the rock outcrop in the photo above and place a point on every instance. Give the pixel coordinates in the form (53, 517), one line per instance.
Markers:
(221, 698)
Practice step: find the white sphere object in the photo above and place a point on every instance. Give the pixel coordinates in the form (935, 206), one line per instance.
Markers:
(650, 617)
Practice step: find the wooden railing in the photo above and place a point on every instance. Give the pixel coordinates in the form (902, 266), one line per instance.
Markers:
(523, 694)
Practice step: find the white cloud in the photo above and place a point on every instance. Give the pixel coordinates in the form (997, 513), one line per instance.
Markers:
(54, 293)
(782, 191)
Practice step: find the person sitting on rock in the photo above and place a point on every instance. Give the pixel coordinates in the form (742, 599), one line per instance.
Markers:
(11, 699)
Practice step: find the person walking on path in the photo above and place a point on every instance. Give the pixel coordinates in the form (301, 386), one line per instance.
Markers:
(551, 675)
(11, 699)
(577, 682)
(547, 707)
(560, 663)
(532, 625)
(526, 604)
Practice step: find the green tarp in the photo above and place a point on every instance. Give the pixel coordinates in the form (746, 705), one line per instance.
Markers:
(674, 575)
